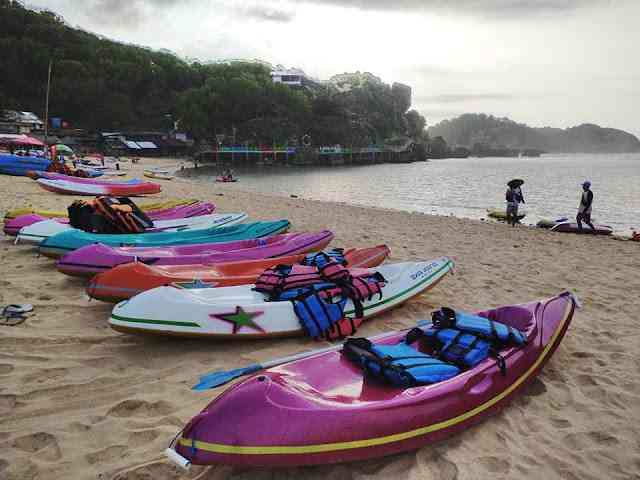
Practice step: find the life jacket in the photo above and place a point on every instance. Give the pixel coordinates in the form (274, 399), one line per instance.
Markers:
(319, 295)
(108, 215)
(400, 365)
(488, 329)
(319, 259)
(464, 350)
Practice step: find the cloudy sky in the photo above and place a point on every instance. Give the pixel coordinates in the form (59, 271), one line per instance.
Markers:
(542, 62)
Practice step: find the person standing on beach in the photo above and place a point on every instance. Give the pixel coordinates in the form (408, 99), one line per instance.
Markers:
(584, 209)
(514, 198)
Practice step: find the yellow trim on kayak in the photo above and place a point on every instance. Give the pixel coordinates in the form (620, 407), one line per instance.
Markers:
(371, 442)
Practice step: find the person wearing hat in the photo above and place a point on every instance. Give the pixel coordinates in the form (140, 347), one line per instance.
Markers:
(513, 197)
(584, 209)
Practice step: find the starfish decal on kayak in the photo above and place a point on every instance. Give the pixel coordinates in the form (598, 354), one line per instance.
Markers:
(239, 319)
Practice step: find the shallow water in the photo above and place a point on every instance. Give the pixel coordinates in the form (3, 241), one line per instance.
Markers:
(462, 187)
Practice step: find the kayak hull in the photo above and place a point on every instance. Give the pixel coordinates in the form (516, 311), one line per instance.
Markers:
(296, 414)
(573, 228)
(145, 207)
(65, 242)
(12, 226)
(21, 166)
(502, 214)
(125, 281)
(67, 187)
(96, 258)
(40, 231)
(205, 312)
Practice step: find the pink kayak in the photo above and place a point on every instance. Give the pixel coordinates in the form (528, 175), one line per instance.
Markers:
(321, 409)
(88, 181)
(13, 226)
(119, 189)
(97, 257)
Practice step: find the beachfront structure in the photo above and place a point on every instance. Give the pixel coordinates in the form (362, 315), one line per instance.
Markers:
(12, 121)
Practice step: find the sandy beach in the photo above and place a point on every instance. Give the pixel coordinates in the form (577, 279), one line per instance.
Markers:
(80, 401)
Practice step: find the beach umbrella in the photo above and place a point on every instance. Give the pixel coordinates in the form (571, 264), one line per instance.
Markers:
(516, 182)
(61, 147)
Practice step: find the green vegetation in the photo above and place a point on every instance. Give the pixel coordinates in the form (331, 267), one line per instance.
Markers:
(472, 130)
(99, 84)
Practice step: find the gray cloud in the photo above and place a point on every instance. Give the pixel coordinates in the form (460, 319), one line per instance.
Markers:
(490, 8)
(463, 97)
(267, 13)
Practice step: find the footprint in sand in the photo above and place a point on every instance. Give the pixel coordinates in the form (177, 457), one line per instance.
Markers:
(142, 437)
(585, 440)
(494, 464)
(106, 455)
(43, 444)
(141, 408)
(8, 403)
(6, 368)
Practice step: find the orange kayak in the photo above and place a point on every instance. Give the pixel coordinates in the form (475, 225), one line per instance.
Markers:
(126, 280)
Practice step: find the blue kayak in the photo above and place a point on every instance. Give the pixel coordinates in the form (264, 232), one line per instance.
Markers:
(17, 165)
(64, 242)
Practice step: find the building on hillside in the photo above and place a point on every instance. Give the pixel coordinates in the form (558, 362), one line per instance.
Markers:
(293, 77)
(13, 121)
(146, 143)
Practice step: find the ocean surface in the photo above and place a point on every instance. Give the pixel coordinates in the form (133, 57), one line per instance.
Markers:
(461, 187)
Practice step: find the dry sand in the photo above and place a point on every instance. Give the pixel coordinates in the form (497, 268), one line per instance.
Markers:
(79, 401)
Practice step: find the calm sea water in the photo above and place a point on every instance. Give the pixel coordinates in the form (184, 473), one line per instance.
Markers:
(462, 187)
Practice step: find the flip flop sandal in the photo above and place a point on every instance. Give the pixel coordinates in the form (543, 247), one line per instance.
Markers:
(15, 308)
(13, 319)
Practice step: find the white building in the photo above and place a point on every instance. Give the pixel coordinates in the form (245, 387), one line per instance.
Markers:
(292, 77)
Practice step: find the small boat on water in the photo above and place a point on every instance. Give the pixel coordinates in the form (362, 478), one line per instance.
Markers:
(323, 409)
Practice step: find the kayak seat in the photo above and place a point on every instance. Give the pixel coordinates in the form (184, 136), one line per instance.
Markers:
(400, 365)
(516, 317)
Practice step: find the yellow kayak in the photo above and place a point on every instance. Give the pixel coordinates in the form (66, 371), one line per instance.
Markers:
(58, 214)
(502, 214)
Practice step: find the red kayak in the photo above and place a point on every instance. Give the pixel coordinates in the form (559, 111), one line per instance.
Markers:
(322, 409)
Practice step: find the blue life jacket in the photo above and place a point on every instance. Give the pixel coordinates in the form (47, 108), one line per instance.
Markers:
(400, 365)
(320, 259)
(488, 329)
(459, 348)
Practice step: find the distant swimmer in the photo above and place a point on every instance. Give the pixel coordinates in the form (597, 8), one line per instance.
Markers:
(514, 198)
(584, 209)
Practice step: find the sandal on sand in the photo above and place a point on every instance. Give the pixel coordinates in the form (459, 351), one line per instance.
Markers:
(16, 309)
(12, 319)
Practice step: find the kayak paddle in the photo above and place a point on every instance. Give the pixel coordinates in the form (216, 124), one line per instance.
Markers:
(217, 378)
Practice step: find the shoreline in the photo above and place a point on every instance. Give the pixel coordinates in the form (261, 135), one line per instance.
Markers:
(81, 401)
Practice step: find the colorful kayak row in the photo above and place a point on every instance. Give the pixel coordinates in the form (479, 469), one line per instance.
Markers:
(197, 278)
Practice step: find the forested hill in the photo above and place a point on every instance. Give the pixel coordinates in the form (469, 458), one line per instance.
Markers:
(473, 128)
(99, 84)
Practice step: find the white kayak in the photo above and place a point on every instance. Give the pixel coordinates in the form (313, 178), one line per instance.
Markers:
(240, 312)
(38, 231)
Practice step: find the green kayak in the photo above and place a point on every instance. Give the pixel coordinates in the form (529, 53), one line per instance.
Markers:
(64, 242)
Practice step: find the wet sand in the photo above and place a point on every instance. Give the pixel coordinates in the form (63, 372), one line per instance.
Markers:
(80, 401)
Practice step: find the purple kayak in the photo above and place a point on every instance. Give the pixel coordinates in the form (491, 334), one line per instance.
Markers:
(13, 226)
(89, 181)
(322, 408)
(95, 258)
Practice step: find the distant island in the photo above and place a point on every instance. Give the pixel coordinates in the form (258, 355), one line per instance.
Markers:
(482, 133)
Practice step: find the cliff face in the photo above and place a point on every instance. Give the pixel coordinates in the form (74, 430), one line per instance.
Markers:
(469, 129)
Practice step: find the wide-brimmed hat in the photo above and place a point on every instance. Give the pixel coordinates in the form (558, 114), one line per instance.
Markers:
(516, 182)
(586, 183)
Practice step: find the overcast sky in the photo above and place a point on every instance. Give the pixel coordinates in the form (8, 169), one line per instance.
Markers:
(542, 62)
